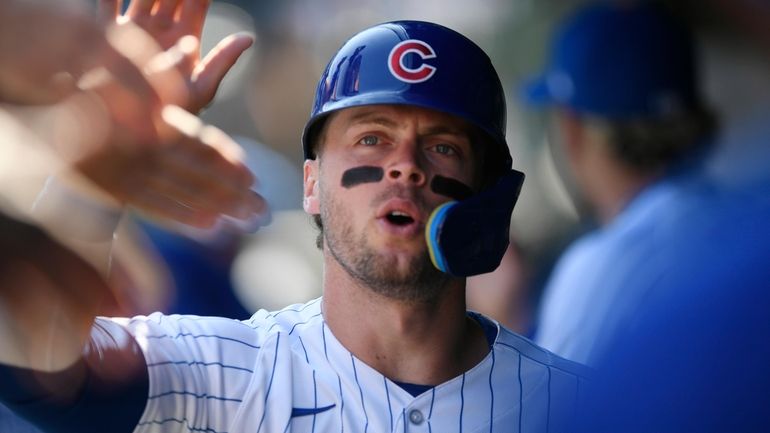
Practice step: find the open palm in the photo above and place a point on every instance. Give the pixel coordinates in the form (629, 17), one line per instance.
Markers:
(168, 22)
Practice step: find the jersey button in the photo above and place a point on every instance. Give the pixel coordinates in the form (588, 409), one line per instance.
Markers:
(416, 417)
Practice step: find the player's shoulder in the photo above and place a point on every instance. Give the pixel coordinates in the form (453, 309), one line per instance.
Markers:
(290, 319)
(510, 345)
(253, 331)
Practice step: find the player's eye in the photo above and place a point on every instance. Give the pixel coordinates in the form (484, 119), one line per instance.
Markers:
(445, 149)
(369, 140)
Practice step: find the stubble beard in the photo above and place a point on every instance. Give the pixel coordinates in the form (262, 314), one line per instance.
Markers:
(417, 281)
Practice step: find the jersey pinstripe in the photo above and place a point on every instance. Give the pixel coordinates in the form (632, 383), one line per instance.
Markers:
(285, 371)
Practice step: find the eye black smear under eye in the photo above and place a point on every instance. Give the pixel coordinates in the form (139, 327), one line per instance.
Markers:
(359, 175)
(449, 187)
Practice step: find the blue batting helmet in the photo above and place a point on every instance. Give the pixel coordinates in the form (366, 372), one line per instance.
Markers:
(415, 63)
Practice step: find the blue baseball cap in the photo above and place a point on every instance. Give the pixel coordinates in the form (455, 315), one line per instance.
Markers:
(620, 61)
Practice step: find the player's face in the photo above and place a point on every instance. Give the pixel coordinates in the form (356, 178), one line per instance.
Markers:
(372, 183)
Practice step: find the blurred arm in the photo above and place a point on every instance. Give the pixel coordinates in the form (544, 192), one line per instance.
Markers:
(48, 297)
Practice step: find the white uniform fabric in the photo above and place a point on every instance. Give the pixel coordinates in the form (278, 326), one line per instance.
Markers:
(284, 371)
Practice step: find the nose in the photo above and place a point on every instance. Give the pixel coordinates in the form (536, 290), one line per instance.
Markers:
(407, 167)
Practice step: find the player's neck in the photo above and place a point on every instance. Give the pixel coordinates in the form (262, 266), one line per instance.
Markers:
(612, 194)
(422, 343)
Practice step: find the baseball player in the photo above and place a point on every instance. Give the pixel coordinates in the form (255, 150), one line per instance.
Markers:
(409, 177)
(669, 298)
(636, 131)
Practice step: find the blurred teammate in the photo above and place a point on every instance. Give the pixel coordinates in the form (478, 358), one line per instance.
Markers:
(623, 89)
(409, 177)
(668, 299)
(695, 356)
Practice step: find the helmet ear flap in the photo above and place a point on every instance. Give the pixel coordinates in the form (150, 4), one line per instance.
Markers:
(469, 237)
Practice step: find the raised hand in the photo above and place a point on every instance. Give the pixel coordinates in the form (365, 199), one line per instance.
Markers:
(171, 22)
(111, 125)
(156, 165)
(192, 179)
(42, 67)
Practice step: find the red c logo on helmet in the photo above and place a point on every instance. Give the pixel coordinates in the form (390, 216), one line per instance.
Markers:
(410, 75)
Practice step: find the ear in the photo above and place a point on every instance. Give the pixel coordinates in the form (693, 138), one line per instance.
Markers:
(310, 199)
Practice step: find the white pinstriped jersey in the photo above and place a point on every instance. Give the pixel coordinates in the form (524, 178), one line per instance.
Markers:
(285, 371)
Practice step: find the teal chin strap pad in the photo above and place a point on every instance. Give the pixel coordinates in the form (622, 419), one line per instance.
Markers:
(469, 237)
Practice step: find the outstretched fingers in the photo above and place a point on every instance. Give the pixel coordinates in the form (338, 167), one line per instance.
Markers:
(193, 14)
(139, 9)
(206, 165)
(212, 69)
(166, 10)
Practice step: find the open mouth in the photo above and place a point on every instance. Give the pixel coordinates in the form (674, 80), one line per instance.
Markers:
(399, 218)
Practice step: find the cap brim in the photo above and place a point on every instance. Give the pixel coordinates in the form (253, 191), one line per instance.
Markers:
(535, 92)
